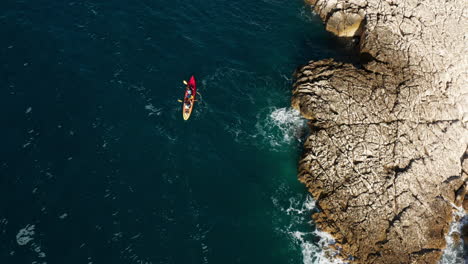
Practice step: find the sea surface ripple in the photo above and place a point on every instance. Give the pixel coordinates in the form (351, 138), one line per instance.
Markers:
(97, 165)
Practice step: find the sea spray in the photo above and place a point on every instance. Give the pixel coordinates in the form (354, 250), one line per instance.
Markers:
(453, 252)
(290, 122)
(317, 252)
(279, 127)
(313, 243)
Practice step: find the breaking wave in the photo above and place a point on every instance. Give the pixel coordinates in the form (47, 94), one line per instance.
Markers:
(25, 235)
(280, 126)
(453, 252)
(313, 243)
(318, 252)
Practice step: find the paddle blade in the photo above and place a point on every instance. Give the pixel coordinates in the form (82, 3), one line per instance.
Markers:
(185, 82)
(180, 101)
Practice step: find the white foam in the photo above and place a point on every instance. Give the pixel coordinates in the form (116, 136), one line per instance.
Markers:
(25, 235)
(281, 126)
(63, 216)
(307, 206)
(288, 120)
(136, 236)
(3, 224)
(153, 110)
(318, 252)
(38, 250)
(453, 252)
(302, 232)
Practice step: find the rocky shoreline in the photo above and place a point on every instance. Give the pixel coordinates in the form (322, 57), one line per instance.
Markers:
(386, 158)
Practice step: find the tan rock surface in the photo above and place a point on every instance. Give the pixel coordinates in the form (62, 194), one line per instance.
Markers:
(386, 152)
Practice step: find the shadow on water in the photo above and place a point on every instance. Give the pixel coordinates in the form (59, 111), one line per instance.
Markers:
(340, 49)
(327, 46)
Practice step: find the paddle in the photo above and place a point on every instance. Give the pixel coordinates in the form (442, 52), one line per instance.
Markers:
(178, 100)
(185, 82)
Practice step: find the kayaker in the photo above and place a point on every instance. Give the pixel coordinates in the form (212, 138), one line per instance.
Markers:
(189, 97)
(189, 93)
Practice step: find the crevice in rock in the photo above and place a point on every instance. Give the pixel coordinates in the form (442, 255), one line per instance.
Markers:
(382, 242)
(425, 251)
(406, 168)
(452, 178)
(366, 58)
(397, 217)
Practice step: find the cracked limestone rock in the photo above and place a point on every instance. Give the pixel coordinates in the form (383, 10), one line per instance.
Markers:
(386, 159)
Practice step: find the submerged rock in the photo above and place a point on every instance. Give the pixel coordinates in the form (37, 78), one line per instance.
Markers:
(386, 157)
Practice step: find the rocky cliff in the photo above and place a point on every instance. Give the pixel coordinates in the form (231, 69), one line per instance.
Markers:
(386, 158)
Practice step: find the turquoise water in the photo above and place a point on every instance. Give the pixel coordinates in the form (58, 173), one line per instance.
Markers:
(97, 165)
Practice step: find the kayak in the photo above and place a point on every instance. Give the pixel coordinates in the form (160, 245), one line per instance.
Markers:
(189, 98)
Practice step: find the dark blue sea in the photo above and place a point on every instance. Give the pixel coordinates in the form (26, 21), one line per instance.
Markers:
(96, 162)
